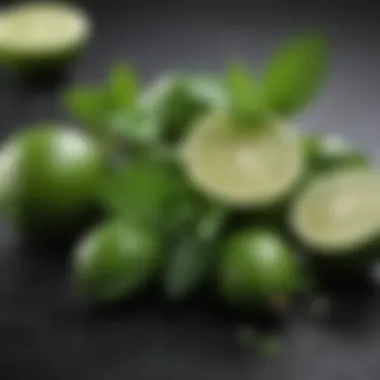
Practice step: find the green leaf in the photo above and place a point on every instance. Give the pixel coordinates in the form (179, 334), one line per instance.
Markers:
(194, 256)
(135, 126)
(295, 73)
(211, 89)
(86, 104)
(123, 87)
(241, 86)
(175, 103)
(245, 98)
(145, 192)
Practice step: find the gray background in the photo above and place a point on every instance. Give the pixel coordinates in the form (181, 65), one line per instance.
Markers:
(46, 334)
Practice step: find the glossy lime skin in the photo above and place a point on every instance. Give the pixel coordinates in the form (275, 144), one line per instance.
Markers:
(116, 261)
(55, 177)
(257, 272)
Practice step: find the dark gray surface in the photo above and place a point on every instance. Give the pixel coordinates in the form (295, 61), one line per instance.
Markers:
(45, 334)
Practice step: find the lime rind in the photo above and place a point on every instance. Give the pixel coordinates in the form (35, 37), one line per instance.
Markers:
(114, 261)
(9, 175)
(339, 212)
(242, 167)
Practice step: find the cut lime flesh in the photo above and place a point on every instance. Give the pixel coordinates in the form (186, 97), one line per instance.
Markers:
(42, 30)
(339, 211)
(242, 167)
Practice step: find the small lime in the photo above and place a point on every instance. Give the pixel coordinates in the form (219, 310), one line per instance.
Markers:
(258, 271)
(115, 261)
(51, 174)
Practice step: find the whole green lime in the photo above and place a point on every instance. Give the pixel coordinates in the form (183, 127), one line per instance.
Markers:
(115, 261)
(49, 176)
(258, 272)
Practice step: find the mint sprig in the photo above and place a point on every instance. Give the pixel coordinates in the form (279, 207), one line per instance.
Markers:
(195, 254)
(245, 97)
(295, 73)
(112, 110)
(288, 84)
(146, 192)
(87, 105)
(123, 87)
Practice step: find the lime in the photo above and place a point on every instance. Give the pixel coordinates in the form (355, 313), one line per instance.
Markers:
(329, 152)
(242, 167)
(9, 176)
(257, 271)
(115, 260)
(42, 32)
(51, 175)
(338, 212)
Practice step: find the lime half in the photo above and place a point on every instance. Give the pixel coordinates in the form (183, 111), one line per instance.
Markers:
(35, 31)
(339, 212)
(242, 167)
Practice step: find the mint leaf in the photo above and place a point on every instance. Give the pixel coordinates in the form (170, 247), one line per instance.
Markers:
(194, 256)
(112, 110)
(86, 104)
(135, 126)
(295, 73)
(245, 98)
(211, 89)
(241, 86)
(147, 193)
(175, 103)
(123, 87)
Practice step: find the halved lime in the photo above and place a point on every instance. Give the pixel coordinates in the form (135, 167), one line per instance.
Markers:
(242, 167)
(339, 212)
(42, 31)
